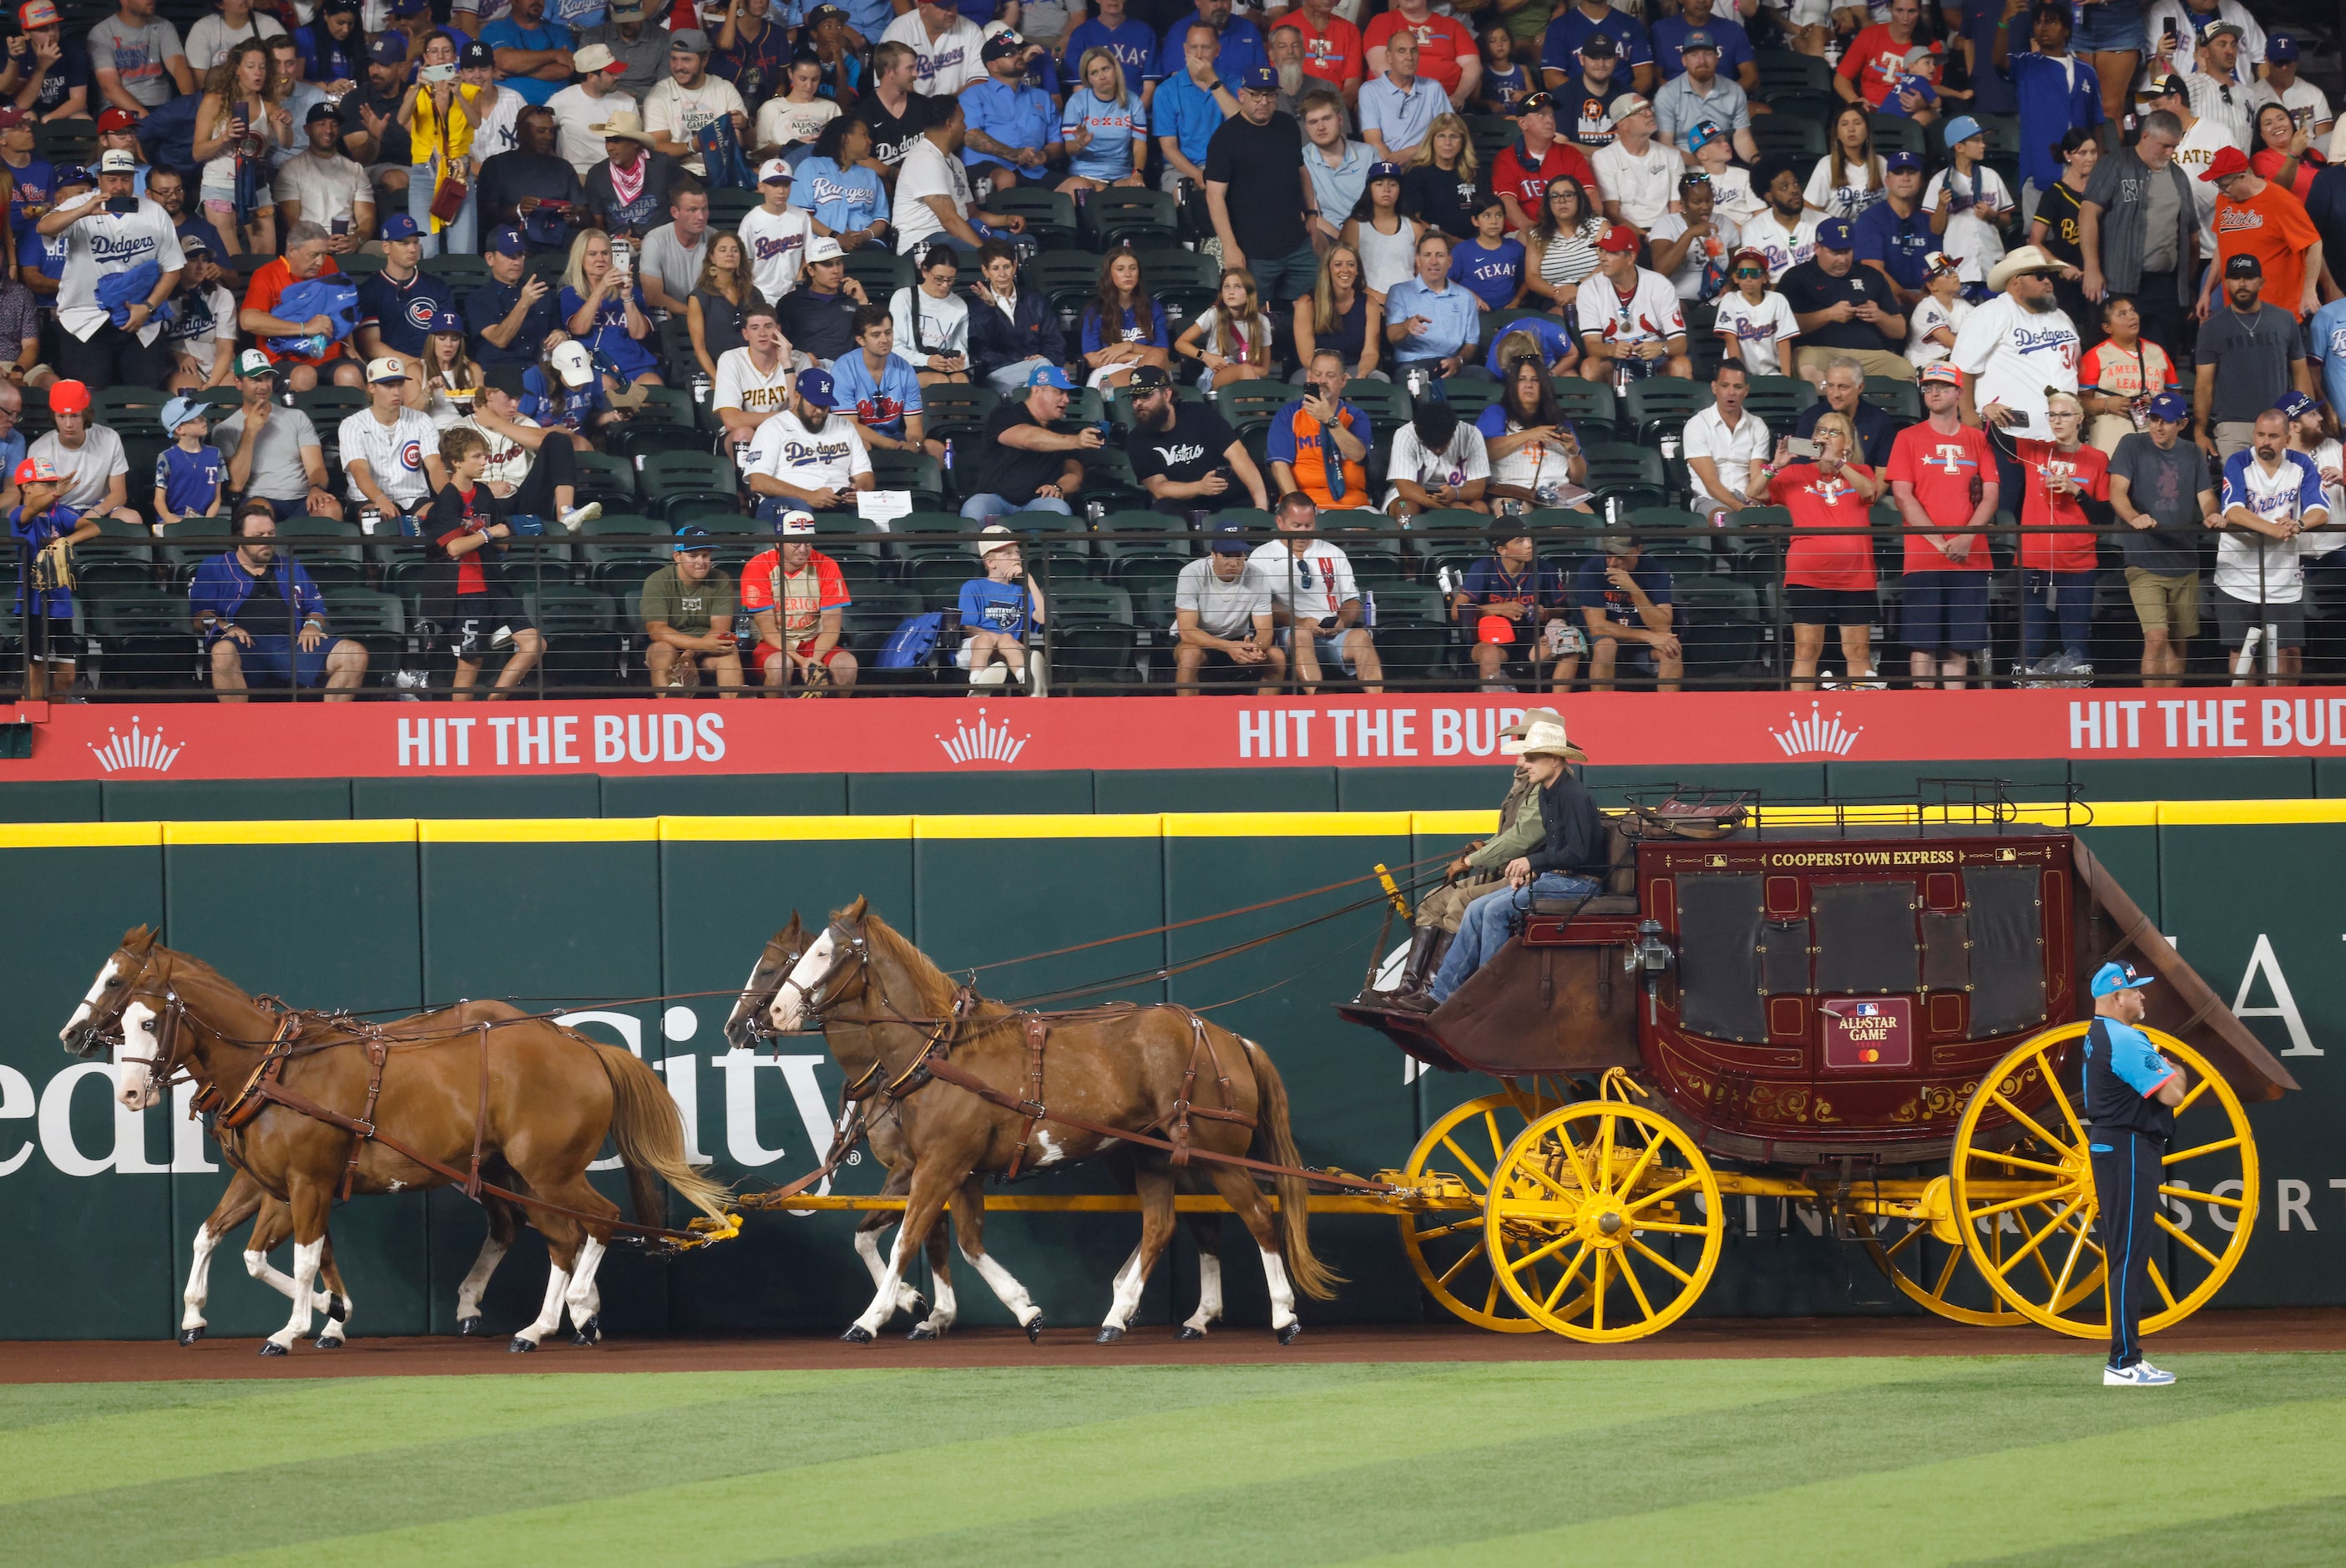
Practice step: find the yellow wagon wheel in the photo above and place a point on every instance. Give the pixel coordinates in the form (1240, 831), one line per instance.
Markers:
(1927, 1259)
(1445, 1244)
(1589, 1214)
(2026, 1204)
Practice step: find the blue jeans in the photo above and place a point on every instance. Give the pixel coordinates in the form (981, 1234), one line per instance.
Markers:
(2074, 591)
(1280, 279)
(1492, 919)
(984, 509)
(458, 237)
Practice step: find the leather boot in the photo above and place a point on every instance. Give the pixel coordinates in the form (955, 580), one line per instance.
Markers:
(1417, 972)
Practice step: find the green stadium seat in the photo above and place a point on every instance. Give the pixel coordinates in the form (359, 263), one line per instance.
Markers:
(1780, 399)
(1140, 215)
(880, 272)
(1590, 405)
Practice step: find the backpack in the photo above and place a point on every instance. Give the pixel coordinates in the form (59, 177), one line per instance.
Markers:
(912, 641)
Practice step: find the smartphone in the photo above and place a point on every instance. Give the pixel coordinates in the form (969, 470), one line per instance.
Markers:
(1798, 447)
(122, 205)
(436, 74)
(2019, 420)
(340, 227)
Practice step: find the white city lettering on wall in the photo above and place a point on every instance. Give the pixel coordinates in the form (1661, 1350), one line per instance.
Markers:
(2284, 1005)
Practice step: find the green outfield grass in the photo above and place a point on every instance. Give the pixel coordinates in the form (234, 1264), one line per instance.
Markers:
(1808, 1463)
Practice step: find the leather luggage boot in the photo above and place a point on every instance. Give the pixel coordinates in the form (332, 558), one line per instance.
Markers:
(1426, 945)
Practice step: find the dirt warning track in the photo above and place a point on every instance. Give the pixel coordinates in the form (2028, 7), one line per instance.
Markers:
(1726, 1339)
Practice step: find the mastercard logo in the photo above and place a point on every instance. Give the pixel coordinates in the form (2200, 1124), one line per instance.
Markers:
(1869, 1054)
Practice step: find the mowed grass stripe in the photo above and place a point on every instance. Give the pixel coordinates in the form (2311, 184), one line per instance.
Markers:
(1000, 1476)
(2301, 1533)
(774, 1421)
(25, 1406)
(1436, 1498)
(2031, 1497)
(301, 1423)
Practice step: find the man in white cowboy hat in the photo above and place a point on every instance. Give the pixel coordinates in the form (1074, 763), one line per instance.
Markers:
(2015, 349)
(583, 108)
(1567, 861)
(1478, 869)
(630, 187)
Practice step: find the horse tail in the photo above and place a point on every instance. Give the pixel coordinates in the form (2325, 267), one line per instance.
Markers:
(649, 1132)
(1275, 1139)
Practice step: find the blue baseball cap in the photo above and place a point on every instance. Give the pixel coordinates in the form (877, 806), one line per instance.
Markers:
(180, 409)
(1231, 539)
(390, 49)
(1392, 170)
(815, 387)
(1260, 79)
(1703, 135)
(2113, 977)
(2296, 404)
(507, 241)
(1833, 234)
(2170, 406)
(447, 322)
(400, 226)
(2280, 49)
(690, 537)
(1698, 39)
(1963, 127)
(1898, 161)
(1050, 376)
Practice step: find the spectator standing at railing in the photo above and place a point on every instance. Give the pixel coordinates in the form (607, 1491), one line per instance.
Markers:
(468, 596)
(1943, 477)
(45, 529)
(1828, 577)
(262, 620)
(2163, 502)
(2271, 495)
(86, 458)
(2011, 350)
(2063, 475)
(2250, 354)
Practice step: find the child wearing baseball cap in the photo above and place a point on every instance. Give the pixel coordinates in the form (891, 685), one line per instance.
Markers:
(190, 475)
(1938, 317)
(51, 530)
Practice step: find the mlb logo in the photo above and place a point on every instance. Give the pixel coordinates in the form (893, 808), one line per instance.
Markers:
(1869, 1009)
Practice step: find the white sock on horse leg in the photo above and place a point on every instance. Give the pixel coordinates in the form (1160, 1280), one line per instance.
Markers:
(1282, 1297)
(476, 1281)
(1006, 1285)
(947, 1308)
(581, 1297)
(306, 1259)
(1209, 1293)
(549, 1315)
(1129, 1282)
(200, 1280)
(883, 1298)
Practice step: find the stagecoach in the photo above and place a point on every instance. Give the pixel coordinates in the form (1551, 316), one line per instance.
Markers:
(1870, 1014)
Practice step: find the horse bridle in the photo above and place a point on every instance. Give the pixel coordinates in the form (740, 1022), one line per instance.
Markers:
(847, 948)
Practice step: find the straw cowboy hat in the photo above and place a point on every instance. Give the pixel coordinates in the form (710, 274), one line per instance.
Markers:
(2028, 259)
(1544, 736)
(624, 123)
(992, 537)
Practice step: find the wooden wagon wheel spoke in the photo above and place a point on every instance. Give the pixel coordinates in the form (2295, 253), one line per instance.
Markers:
(1455, 1225)
(1447, 1274)
(1637, 1287)
(1914, 1229)
(1947, 1272)
(2083, 1238)
(1596, 1296)
(2017, 1162)
(2026, 1120)
(2190, 1098)
(2004, 1269)
(2193, 1194)
(1672, 1226)
(1675, 1187)
(1518, 1266)
(2179, 1155)
(2158, 1279)
(1482, 1177)
(1446, 1247)
(2010, 1204)
(2184, 1237)
(1572, 1273)
(1638, 1171)
(2061, 1098)
(1681, 1274)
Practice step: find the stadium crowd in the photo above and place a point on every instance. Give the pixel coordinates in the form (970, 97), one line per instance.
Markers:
(461, 333)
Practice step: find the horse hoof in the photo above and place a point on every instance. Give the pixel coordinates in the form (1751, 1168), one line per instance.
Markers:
(520, 1345)
(338, 1310)
(1034, 1329)
(323, 1343)
(923, 1331)
(1287, 1335)
(189, 1335)
(920, 1307)
(857, 1334)
(272, 1348)
(1188, 1333)
(590, 1332)
(468, 1326)
(1108, 1335)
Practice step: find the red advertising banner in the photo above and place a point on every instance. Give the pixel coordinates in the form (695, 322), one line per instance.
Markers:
(914, 735)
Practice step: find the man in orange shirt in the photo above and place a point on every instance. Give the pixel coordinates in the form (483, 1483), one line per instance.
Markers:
(1316, 427)
(1333, 51)
(2257, 218)
(306, 257)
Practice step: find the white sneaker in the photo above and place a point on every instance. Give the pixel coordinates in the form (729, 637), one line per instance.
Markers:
(579, 517)
(2141, 1375)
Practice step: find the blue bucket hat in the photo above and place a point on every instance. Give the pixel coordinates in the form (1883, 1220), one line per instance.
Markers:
(2115, 977)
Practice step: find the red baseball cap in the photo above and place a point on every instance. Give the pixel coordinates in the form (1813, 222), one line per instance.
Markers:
(12, 116)
(115, 120)
(1495, 629)
(36, 470)
(69, 397)
(2227, 162)
(37, 14)
(1621, 239)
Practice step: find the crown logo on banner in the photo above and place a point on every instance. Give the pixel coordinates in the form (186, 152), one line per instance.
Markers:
(137, 751)
(986, 743)
(1815, 736)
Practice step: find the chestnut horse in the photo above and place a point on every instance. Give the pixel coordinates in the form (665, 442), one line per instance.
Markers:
(888, 1014)
(245, 1199)
(455, 1085)
(746, 1030)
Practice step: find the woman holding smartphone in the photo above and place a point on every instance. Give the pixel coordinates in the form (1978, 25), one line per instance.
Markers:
(243, 109)
(439, 113)
(602, 306)
(1827, 575)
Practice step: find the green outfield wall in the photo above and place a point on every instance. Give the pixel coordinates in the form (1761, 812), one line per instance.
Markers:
(367, 895)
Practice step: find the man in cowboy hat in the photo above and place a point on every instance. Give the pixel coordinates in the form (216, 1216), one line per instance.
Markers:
(2013, 351)
(630, 188)
(1566, 861)
(2131, 1092)
(1477, 870)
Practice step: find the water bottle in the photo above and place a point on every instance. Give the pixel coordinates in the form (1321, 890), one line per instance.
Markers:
(702, 389)
(1094, 512)
(745, 629)
(1417, 383)
(948, 457)
(1670, 446)
(369, 519)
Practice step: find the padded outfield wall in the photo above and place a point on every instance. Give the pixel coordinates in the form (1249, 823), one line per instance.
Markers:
(393, 912)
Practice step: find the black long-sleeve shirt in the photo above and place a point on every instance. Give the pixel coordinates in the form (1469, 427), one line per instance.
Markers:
(1575, 831)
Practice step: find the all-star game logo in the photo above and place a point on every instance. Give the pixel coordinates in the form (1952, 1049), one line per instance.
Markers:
(987, 742)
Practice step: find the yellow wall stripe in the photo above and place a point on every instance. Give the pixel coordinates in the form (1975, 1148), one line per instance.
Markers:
(1138, 825)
